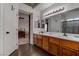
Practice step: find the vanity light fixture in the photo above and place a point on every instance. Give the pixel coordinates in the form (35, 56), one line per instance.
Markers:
(55, 11)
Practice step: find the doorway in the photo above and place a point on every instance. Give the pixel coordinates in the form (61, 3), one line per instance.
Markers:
(23, 28)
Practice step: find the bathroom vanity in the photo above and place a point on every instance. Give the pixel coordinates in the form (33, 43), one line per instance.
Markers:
(57, 44)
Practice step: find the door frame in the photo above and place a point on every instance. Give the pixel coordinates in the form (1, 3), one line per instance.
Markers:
(29, 27)
(29, 15)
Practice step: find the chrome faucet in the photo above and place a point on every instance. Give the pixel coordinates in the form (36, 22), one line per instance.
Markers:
(64, 18)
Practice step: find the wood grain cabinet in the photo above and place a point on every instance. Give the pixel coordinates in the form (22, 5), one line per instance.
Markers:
(54, 46)
(53, 49)
(39, 41)
(34, 39)
(69, 48)
(45, 43)
(68, 52)
(57, 46)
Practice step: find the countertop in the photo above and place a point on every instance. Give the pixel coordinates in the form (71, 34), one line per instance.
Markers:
(73, 37)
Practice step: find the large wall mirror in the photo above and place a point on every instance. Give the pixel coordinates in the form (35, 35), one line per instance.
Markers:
(71, 23)
(71, 26)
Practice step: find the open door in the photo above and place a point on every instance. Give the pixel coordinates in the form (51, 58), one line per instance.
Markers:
(10, 32)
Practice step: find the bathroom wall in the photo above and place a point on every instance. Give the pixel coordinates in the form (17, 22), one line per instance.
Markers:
(36, 17)
(37, 14)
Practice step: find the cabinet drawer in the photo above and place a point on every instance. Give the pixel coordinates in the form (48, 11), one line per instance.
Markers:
(69, 44)
(68, 52)
(54, 40)
(53, 49)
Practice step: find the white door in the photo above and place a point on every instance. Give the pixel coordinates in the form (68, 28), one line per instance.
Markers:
(1, 36)
(10, 28)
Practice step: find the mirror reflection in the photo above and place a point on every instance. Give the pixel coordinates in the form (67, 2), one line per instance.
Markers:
(67, 22)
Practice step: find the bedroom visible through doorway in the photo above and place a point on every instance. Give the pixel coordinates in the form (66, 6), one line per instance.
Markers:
(23, 28)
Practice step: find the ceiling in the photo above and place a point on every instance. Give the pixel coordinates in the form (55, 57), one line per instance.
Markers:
(43, 6)
(32, 4)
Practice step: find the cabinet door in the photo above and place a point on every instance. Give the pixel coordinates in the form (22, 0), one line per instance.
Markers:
(78, 53)
(34, 39)
(1, 31)
(68, 52)
(54, 49)
(39, 41)
(45, 43)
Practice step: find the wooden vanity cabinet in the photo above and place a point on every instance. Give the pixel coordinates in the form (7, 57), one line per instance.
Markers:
(39, 41)
(68, 52)
(78, 52)
(45, 43)
(54, 46)
(34, 39)
(69, 48)
(57, 46)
